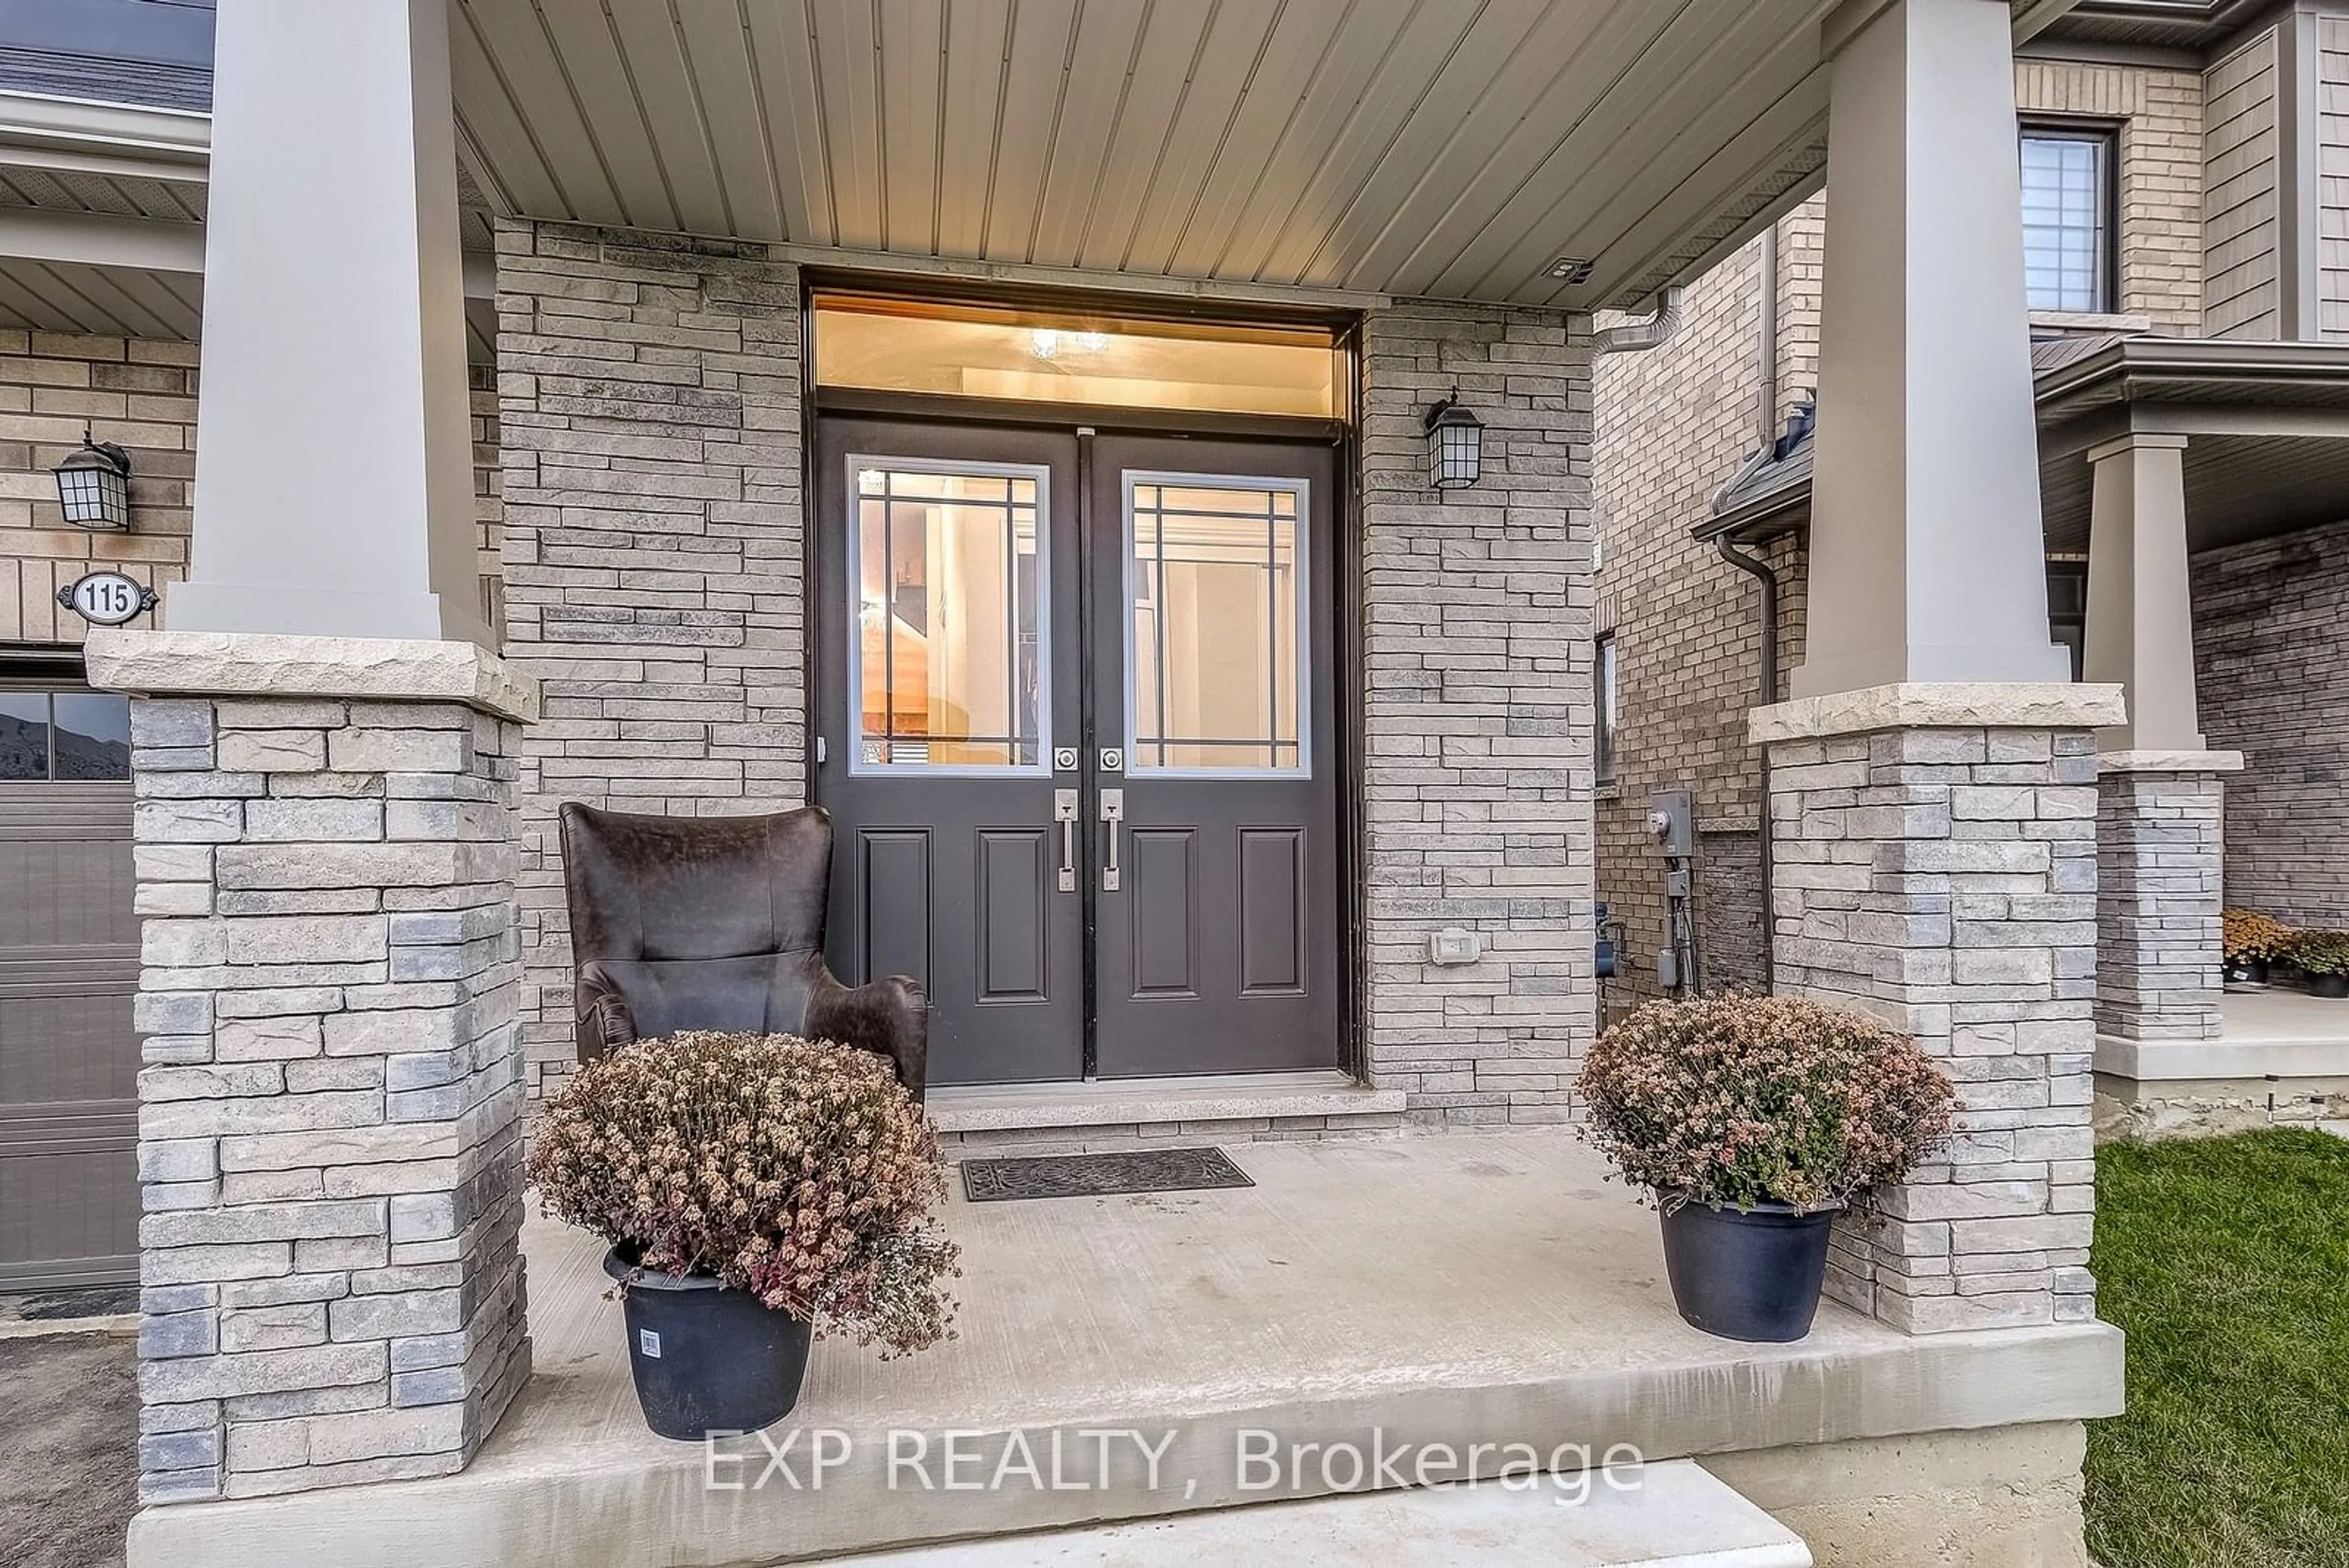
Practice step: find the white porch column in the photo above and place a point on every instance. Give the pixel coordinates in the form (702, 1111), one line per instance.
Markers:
(2140, 614)
(1932, 782)
(1925, 525)
(334, 485)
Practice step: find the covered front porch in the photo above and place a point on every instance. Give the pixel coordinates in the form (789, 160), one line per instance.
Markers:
(357, 970)
(1457, 1289)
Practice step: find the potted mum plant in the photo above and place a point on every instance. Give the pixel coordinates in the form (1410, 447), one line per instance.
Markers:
(1753, 1121)
(758, 1191)
(2324, 957)
(2249, 941)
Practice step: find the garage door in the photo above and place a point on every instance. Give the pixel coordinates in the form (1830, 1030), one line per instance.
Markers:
(69, 968)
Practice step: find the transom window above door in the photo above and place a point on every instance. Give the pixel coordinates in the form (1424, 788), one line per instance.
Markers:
(1013, 354)
(1217, 593)
(950, 586)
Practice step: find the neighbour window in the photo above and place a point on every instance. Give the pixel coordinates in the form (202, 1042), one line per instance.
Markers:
(1603, 681)
(65, 737)
(2067, 219)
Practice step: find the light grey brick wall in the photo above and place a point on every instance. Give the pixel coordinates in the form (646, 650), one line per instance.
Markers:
(2273, 674)
(2158, 949)
(649, 411)
(1945, 881)
(330, 1139)
(1476, 710)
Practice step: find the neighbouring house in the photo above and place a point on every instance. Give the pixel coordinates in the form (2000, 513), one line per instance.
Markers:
(1033, 433)
(2190, 361)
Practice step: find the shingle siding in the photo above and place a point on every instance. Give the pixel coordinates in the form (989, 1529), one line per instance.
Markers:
(2242, 297)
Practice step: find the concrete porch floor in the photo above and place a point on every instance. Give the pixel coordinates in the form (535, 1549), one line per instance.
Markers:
(1457, 1289)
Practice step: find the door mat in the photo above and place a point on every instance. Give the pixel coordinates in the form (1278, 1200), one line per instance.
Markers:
(1100, 1175)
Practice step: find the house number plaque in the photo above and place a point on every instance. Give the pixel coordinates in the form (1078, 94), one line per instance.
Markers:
(107, 598)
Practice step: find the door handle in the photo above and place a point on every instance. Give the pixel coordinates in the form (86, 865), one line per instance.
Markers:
(1064, 812)
(1113, 812)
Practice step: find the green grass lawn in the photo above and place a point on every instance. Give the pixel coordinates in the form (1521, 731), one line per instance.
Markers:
(2227, 1260)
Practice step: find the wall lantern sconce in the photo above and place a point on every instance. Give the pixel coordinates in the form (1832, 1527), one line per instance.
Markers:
(1455, 445)
(93, 486)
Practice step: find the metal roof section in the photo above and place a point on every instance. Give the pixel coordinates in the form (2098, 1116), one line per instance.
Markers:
(157, 53)
(2195, 25)
(146, 83)
(2267, 429)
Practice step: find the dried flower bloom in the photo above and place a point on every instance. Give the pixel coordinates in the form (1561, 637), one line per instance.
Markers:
(799, 1170)
(1736, 1100)
(2250, 937)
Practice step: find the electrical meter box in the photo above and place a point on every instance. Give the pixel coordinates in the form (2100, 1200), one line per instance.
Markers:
(1671, 824)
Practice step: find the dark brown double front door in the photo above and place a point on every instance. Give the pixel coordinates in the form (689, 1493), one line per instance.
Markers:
(1076, 729)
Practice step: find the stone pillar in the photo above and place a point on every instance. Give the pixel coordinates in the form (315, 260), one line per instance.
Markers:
(329, 1134)
(2161, 794)
(649, 401)
(1932, 785)
(1936, 867)
(2161, 863)
(1477, 620)
(334, 467)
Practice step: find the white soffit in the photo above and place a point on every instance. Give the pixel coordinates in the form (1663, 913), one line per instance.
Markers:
(1404, 147)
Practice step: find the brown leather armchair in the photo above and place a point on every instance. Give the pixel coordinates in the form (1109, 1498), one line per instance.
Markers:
(717, 922)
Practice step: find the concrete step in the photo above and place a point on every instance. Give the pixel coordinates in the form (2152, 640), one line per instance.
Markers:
(1141, 1113)
(1676, 1516)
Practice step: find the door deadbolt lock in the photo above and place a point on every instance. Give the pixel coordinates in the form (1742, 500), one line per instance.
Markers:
(1064, 759)
(1112, 760)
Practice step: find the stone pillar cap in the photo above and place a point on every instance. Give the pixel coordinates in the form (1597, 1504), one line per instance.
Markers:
(2154, 761)
(1942, 705)
(268, 664)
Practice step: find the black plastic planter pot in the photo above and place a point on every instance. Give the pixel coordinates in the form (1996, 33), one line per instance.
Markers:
(707, 1359)
(1748, 1276)
(2334, 986)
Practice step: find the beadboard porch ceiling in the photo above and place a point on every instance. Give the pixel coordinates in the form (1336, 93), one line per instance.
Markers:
(1455, 148)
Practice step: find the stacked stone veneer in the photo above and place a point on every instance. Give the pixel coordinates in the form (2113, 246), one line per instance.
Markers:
(649, 410)
(1945, 881)
(330, 1120)
(2158, 904)
(2272, 665)
(1477, 626)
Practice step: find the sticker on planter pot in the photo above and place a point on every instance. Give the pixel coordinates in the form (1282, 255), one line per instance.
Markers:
(649, 1343)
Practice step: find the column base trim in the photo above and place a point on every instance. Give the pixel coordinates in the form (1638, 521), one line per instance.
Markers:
(1940, 705)
(272, 664)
